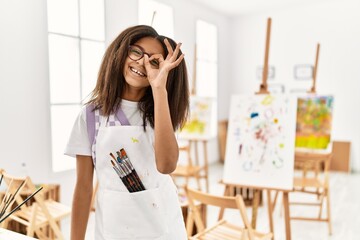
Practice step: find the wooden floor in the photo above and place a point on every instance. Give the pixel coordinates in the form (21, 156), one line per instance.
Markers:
(345, 197)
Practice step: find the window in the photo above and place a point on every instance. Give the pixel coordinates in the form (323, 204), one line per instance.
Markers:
(207, 67)
(206, 59)
(157, 15)
(76, 45)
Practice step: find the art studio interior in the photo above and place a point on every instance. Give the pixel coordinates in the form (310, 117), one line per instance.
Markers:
(269, 149)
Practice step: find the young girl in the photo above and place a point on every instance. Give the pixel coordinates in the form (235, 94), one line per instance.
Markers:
(140, 99)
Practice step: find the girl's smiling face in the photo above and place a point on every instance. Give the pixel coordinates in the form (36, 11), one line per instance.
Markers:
(134, 71)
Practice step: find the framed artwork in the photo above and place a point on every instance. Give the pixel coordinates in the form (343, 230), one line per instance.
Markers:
(261, 141)
(271, 72)
(202, 121)
(303, 72)
(314, 120)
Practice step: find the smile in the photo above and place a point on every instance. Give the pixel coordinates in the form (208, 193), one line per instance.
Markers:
(137, 72)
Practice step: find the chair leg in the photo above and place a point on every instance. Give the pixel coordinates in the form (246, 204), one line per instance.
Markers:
(189, 223)
(31, 227)
(226, 193)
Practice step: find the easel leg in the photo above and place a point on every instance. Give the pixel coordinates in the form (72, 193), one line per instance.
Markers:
(270, 212)
(255, 207)
(328, 210)
(206, 166)
(287, 215)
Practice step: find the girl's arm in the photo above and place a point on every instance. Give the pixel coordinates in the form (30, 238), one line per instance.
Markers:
(166, 147)
(82, 197)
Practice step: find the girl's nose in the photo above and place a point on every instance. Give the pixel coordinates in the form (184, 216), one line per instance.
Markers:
(141, 61)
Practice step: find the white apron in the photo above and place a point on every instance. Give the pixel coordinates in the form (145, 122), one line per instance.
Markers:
(151, 214)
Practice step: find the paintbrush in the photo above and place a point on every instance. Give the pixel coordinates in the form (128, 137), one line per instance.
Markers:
(17, 207)
(123, 177)
(11, 198)
(129, 176)
(128, 162)
(129, 172)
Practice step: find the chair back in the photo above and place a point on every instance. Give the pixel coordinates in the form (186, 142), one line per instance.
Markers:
(218, 201)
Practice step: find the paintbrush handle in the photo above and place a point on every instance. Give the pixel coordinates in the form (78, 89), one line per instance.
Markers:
(139, 180)
(18, 206)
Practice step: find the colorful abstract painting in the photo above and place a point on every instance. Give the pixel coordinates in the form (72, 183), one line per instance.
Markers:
(313, 124)
(202, 120)
(261, 141)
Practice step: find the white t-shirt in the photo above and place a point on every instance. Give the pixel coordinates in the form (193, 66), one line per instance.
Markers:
(79, 144)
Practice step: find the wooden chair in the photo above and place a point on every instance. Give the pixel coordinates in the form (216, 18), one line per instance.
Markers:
(312, 177)
(8, 198)
(222, 229)
(192, 169)
(41, 213)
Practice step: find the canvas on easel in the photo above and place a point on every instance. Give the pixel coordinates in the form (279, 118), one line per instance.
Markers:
(261, 141)
(314, 119)
(202, 121)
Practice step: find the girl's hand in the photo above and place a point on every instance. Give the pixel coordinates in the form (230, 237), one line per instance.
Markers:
(157, 77)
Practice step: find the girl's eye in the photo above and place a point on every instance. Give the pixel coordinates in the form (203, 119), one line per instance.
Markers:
(155, 62)
(136, 52)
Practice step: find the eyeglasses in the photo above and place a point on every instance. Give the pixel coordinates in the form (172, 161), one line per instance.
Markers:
(136, 53)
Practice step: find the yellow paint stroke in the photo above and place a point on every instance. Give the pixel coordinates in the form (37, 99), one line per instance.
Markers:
(195, 126)
(267, 100)
(134, 140)
(281, 145)
(276, 120)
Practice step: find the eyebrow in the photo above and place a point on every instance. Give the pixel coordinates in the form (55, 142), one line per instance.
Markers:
(143, 50)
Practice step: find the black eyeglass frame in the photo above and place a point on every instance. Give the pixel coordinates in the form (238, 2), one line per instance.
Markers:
(154, 62)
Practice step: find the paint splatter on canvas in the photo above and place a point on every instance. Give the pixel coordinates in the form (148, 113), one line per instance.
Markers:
(313, 125)
(261, 140)
(202, 120)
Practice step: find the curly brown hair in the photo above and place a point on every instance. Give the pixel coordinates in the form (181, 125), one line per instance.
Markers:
(111, 82)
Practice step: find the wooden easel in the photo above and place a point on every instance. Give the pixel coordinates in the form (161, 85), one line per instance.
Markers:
(263, 86)
(229, 188)
(313, 88)
(262, 90)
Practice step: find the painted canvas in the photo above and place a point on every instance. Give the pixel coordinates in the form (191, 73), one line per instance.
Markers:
(313, 125)
(202, 121)
(261, 141)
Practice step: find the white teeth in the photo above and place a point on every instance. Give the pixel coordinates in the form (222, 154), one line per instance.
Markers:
(137, 72)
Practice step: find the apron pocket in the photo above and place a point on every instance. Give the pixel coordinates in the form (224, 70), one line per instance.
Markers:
(133, 215)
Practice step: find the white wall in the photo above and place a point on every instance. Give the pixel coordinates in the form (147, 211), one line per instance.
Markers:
(295, 33)
(24, 91)
(24, 80)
